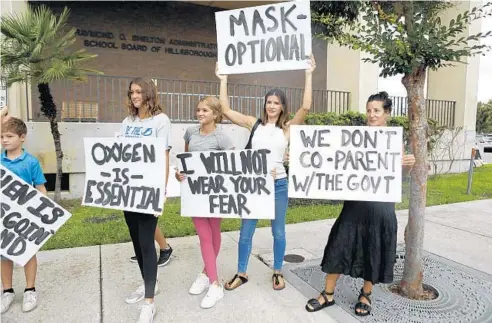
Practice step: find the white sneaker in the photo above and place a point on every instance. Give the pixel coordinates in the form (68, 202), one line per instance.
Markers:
(7, 300)
(214, 294)
(30, 301)
(139, 294)
(200, 284)
(147, 313)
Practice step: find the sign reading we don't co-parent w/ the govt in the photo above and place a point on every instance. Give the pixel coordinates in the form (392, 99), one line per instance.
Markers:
(29, 218)
(125, 174)
(272, 37)
(346, 163)
(227, 184)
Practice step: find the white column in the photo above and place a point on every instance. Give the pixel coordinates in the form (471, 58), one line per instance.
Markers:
(347, 72)
(459, 83)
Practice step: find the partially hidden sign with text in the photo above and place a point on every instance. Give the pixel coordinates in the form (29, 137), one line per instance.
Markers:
(125, 174)
(227, 184)
(272, 37)
(29, 218)
(346, 163)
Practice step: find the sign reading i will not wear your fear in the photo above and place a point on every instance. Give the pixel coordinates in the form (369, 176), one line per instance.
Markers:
(29, 218)
(266, 38)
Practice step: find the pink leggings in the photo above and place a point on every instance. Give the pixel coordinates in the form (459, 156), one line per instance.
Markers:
(208, 230)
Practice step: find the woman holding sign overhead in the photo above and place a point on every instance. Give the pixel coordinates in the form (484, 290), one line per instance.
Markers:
(206, 137)
(271, 132)
(362, 242)
(145, 119)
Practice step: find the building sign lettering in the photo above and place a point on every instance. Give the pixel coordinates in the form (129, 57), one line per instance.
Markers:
(208, 50)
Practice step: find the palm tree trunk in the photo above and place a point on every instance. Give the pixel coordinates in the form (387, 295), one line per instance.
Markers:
(48, 108)
(411, 284)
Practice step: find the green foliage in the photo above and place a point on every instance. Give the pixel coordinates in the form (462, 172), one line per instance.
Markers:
(484, 117)
(37, 45)
(406, 36)
(330, 17)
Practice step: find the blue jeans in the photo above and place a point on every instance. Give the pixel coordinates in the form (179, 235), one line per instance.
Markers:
(248, 227)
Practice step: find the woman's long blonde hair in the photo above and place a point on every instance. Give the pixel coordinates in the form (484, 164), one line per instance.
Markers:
(214, 104)
(149, 97)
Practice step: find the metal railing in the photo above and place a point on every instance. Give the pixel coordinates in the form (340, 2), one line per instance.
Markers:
(103, 99)
(441, 111)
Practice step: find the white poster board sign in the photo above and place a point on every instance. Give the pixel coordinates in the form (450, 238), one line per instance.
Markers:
(346, 163)
(3, 92)
(227, 184)
(29, 218)
(272, 37)
(125, 174)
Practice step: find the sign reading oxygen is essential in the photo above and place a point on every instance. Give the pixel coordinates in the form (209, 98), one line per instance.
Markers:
(346, 163)
(227, 184)
(272, 37)
(125, 174)
(29, 218)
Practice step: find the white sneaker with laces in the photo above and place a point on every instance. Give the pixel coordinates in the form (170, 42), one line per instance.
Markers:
(200, 284)
(30, 301)
(139, 294)
(147, 313)
(214, 294)
(7, 300)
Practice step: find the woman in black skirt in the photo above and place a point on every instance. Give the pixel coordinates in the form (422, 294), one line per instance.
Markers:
(362, 242)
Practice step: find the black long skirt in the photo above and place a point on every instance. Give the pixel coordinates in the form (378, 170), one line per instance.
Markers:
(362, 242)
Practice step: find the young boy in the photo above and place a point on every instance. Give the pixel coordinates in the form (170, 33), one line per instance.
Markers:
(27, 167)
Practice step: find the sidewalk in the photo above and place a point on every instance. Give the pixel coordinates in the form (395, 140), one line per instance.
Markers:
(90, 284)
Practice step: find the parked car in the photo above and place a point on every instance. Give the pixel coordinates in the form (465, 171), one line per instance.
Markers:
(487, 143)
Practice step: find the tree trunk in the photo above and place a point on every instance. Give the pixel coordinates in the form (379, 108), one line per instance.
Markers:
(411, 284)
(48, 108)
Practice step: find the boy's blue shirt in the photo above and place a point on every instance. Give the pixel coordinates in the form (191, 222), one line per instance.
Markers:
(26, 166)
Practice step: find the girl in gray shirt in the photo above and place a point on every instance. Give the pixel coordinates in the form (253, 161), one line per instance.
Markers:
(203, 137)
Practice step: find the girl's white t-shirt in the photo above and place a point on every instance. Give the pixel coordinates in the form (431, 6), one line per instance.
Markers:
(273, 138)
(155, 126)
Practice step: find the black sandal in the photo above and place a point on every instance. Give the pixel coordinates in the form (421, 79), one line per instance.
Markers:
(276, 281)
(363, 306)
(315, 304)
(243, 280)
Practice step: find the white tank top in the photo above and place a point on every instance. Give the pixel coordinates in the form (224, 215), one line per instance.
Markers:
(271, 137)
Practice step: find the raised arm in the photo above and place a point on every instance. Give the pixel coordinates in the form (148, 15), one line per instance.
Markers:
(308, 96)
(235, 116)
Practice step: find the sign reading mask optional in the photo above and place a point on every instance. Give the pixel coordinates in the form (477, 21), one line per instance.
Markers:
(265, 38)
(227, 184)
(125, 174)
(29, 218)
(346, 163)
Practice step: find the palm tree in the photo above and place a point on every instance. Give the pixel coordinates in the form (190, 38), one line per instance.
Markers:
(36, 46)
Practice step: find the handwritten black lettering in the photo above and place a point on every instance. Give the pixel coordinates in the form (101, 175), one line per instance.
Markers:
(281, 48)
(257, 22)
(17, 191)
(389, 135)
(46, 218)
(182, 158)
(284, 19)
(228, 204)
(238, 21)
(207, 184)
(116, 194)
(249, 185)
(119, 152)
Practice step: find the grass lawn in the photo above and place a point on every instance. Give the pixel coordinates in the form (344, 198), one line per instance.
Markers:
(92, 226)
